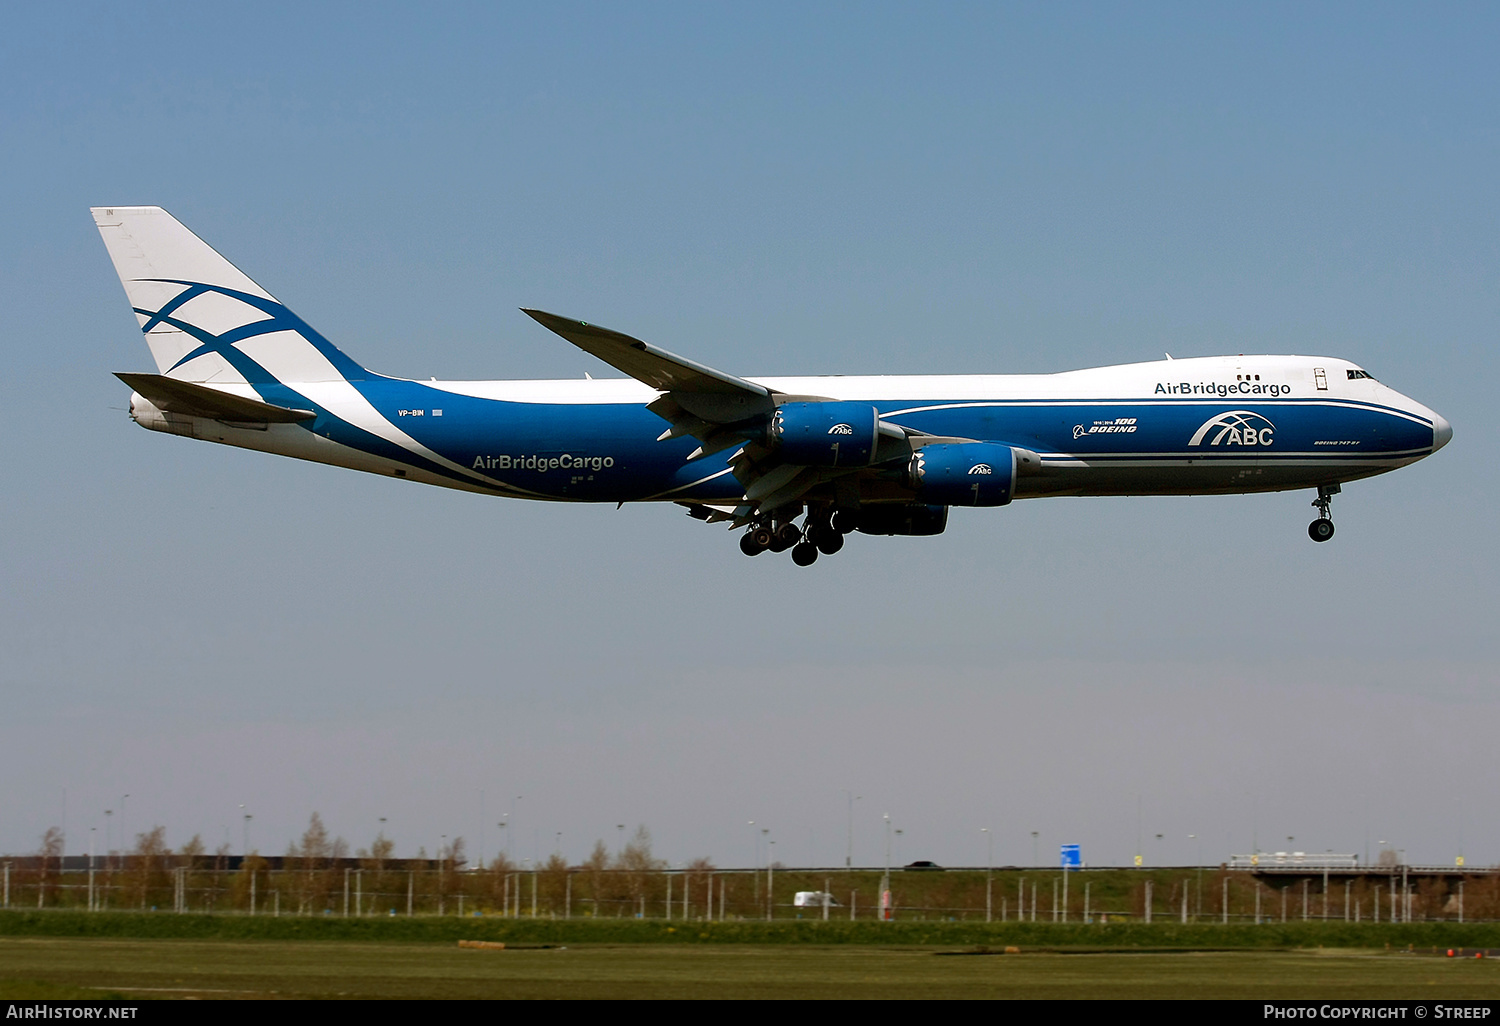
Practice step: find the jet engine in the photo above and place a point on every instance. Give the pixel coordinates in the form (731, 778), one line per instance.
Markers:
(963, 473)
(831, 434)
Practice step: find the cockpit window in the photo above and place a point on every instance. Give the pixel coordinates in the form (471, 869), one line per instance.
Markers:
(1356, 375)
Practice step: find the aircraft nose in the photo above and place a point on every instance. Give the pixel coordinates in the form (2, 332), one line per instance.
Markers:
(1442, 432)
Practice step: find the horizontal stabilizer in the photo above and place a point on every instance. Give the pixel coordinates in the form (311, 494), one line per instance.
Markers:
(183, 397)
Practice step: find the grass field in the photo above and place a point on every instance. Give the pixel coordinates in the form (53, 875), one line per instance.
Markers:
(32, 967)
(1031, 936)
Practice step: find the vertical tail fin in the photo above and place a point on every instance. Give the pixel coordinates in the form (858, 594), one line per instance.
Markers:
(203, 318)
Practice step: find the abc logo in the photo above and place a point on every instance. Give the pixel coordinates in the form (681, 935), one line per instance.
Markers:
(1237, 427)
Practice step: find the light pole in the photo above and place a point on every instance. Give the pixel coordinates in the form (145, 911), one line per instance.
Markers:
(1034, 835)
(1254, 825)
(245, 833)
(885, 880)
(899, 832)
(620, 833)
(107, 849)
(755, 862)
(989, 871)
(849, 849)
(1138, 852)
(1195, 837)
(515, 808)
(770, 878)
(1405, 891)
(123, 834)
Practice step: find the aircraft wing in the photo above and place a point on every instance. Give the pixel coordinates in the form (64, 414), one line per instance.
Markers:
(173, 396)
(718, 409)
(646, 363)
(698, 400)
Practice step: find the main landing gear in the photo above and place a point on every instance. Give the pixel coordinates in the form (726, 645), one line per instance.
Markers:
(1321, 529)
(822, 532)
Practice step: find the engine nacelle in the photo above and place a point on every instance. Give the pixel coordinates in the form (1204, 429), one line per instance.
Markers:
(832, 434)
(964, 473)
(910, 519)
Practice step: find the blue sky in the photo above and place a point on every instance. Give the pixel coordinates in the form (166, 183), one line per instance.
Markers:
(770, 190)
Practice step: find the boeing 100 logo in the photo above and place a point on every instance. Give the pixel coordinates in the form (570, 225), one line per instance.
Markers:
(1237, 427)
(1118, 426)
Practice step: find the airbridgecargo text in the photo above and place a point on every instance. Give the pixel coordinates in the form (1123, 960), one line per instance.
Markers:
(542, 464)
(1223, 389)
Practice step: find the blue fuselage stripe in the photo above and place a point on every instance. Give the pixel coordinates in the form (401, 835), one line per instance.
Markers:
(609, 452)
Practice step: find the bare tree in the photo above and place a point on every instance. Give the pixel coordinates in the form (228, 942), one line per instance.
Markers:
(554, 881)
(242, 887)
(636, 864)
(49, 864)
(495, 875)
(191, 852)
(148, 864)
(596, 865)
(373, 861)
(695, 879)
(315, 843)
(375, 857)
(310, 857)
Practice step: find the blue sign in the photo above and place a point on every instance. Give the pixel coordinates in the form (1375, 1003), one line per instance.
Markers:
(1071, 857)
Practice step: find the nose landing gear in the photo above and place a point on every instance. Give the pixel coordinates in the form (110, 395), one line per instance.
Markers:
(1321, 529)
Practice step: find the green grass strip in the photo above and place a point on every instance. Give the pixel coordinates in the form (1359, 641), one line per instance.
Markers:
(1028, 936)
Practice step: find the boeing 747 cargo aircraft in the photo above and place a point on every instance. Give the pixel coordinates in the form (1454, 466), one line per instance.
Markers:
(880, 455)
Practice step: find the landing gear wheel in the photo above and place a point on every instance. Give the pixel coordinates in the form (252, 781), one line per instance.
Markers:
(1321, 529)
(805, 554)
(844, 521)
(829, 542)
(787, 535)
(756, 540)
